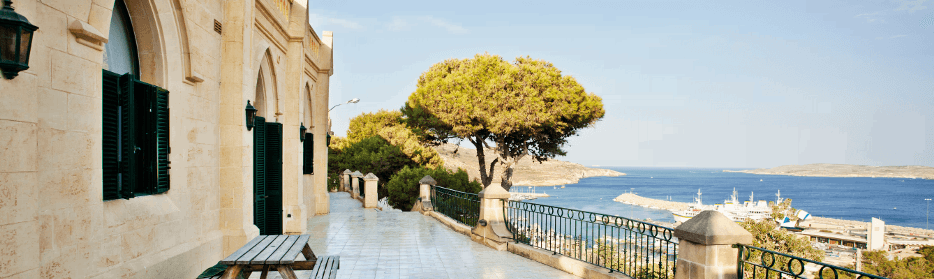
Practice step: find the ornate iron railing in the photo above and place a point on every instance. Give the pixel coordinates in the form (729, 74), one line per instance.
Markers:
(461, 206)
(755, 262)
(635, 248)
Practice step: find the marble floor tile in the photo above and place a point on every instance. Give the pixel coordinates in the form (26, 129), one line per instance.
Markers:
(386, 244)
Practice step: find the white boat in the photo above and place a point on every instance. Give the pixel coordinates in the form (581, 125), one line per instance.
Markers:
(731, 208)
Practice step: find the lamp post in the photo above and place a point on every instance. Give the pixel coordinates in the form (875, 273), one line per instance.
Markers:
(631, 206)
(928, 217)
(15, 41)
(352, 101)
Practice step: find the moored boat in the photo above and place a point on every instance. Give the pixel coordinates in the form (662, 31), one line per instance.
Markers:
(731, 208)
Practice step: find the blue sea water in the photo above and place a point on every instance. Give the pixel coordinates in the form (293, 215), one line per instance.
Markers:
(897, 201)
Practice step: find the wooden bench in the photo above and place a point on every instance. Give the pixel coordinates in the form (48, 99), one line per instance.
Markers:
(326, 267)
(276, 252)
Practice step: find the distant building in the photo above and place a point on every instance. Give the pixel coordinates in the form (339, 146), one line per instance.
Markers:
(877, 235)
(835, 238)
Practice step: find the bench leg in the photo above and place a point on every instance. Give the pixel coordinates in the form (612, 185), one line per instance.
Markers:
(309, 255)
(232, 272)
(286, 272)
(265, 272)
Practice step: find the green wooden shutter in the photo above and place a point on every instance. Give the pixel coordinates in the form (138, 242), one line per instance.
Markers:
(110, 130)
(128, 131)
(308, 155)
(274, 178)
(161, 113)
(259, 174)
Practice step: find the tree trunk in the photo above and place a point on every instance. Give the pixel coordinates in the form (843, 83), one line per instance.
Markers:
(486, 177)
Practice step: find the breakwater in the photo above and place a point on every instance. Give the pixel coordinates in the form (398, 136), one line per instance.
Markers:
(628, 198)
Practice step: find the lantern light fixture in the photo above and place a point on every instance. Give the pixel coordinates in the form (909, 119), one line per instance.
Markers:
(301, 132)
(16, 35)
(250, 115)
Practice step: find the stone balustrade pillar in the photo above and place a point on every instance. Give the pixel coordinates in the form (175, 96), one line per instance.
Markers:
(370, 196)
(345, 180)
(491, 229)
(424, 193)
(355, 184)
(705, 248)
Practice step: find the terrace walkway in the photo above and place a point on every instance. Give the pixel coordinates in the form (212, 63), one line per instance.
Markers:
(382, 244)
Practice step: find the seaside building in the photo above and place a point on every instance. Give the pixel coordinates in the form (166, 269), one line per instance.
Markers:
(835, 238)
(876, 235)
(125, 150)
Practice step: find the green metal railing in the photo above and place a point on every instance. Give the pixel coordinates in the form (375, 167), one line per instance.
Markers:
(755, 262)
(635, 248)
(461, 206)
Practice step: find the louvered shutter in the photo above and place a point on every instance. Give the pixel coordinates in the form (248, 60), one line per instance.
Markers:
(129, 167)
(308, 155)
(110, 121)
(161, 115)
(259, 174)
(274, 178)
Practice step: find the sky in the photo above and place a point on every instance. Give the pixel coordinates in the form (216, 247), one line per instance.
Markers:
(719, 84)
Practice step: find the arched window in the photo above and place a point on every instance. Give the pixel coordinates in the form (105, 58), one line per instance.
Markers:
(135, 119)
(120, 55)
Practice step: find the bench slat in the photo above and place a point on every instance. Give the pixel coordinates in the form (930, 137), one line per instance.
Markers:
(292, 253)
(320, 267)
(249, 255)
(236, 255)
(269, 250)
(276, 255)
(326, 267)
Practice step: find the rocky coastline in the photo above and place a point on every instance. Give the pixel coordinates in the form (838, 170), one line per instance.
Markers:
(843, 170)
(527, 172)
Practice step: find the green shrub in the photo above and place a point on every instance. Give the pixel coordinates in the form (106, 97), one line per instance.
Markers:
(403, 186)
(373, 154)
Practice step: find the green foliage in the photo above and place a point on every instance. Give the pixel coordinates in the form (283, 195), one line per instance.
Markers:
(388, 125)
(877, 262)
(373, 154)
(368, 124)
(524, 108)
(766, 235)
(403, 187)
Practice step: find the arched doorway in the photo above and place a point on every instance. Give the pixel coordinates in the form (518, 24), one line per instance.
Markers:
(267, 158)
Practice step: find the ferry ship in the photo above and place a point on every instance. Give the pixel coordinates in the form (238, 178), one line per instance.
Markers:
(751, 209)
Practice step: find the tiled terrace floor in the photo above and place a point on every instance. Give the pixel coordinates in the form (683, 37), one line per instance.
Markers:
(382, 244)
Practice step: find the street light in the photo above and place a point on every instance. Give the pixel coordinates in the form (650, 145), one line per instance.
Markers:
(352, 101)
(928, 218)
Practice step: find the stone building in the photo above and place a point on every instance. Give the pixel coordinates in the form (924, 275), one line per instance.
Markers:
(124, 149)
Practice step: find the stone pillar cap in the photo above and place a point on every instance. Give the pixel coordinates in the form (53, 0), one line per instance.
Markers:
(428, 180)
(712, 228)
(347, 171)
(370, 176)
(494, 191)
(356, 174)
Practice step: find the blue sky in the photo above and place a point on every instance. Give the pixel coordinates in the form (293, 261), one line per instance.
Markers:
(717, 84)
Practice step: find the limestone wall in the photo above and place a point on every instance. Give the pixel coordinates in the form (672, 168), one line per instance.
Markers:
(53, 220)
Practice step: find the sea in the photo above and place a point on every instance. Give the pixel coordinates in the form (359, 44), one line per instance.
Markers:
(897, 201)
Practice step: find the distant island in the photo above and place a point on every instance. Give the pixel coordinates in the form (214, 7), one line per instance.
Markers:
(527, 171)
(843, 170)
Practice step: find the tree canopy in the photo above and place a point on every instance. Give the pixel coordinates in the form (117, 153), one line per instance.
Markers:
(516, 109)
